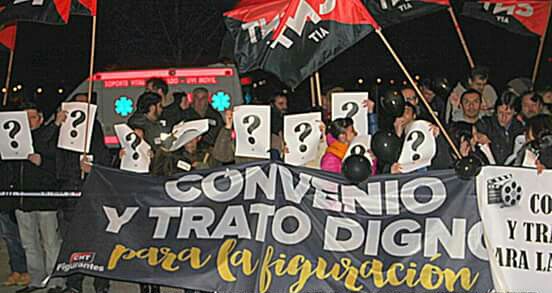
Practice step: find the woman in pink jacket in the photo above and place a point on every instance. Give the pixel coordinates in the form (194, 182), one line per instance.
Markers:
(340, 134)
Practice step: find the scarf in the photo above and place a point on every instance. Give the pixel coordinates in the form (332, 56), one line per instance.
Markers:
(338, 149)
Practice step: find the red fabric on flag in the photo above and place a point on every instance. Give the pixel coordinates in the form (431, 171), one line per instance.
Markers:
(7, 36)
(90, 5)
(532, 14)
(440, 2)
(63, 8)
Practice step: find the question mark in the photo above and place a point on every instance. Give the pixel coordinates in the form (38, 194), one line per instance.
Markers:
(14, 127)
(135, 143)
(307, 130)
(417, 142)
(358, 150)
(352, 110)
(78, 121)
(252, 126)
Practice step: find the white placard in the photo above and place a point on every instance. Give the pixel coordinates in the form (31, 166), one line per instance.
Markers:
(419, 146)
(252, 125)
(350, 105)
(360, 146)
(302, 137)
(184, 132)
(73, 130)
(514, 205)
(519, 142)
(529, 159)
(16, 142)
(486, 150)
(137, 151)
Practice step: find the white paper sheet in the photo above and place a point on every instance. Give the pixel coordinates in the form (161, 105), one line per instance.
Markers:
(73, 130)
(184, 132)
(16, 142)
(419, 147)
(137, 151)
(252, 125)
(350, 105)
(529, 160)
(486, 150)
(302, 137)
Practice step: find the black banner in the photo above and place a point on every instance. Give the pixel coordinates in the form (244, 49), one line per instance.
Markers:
(391, 12)
(270, 227)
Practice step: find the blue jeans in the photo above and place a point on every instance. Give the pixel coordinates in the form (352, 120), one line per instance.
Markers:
(10, 233)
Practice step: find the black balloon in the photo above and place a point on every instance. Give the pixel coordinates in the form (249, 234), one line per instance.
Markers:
(468, 167)
(393, 103)
(356, 168)
(386, 146)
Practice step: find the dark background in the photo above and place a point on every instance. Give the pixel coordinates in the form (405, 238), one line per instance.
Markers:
(159, 34)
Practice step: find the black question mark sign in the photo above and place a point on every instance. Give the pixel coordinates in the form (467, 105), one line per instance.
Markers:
(14, 127)
(252, 126)
(80, 115)
(134, 144)
(307, 130)
(417, 142)
(358, 150)
(353, 110)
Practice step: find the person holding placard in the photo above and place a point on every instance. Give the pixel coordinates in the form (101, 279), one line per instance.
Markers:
(401, 125)
(340, 134)
(147, 118)
(537, 151)
(37, 216)
(225, 145)
(182, 156)
(500, 130)
(69, 166)
(278, 108)
(200, 108)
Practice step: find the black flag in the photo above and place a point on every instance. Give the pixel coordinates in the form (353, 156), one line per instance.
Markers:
(293, 39)
(42, 11)
(391, 12)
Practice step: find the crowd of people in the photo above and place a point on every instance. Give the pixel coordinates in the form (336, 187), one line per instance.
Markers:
(510, 123)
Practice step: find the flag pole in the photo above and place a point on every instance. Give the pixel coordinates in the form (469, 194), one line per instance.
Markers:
(318, 88)
(419, 93)
(8, 78)
(312, 90)
(461, 36)
(90, 85)
(541, 49)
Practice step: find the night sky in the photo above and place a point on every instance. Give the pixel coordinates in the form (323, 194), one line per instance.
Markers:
(159, 34)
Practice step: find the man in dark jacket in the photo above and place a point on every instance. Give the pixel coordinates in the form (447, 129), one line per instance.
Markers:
(37, 216)
(147, 119)
(501, 129)
(201, 109)
(69, 174)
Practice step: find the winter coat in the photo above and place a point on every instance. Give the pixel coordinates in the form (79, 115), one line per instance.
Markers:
(331, 160)
(68, 170)
(502, 139)
(27, 177)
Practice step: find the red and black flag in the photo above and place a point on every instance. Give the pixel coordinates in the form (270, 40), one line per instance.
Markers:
(42, 11)
(391, 12)
(525, 17)
(294, 38)
(84, 7)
